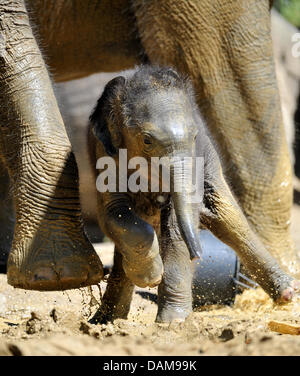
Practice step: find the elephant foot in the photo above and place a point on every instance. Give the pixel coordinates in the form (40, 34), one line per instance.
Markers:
(146, 274)
(50, 250)
(172, 314)
(288, 293)
(101, 317)
(280, 286)
(174, 301)
(109, 312)
(118, 295)
(53, 259)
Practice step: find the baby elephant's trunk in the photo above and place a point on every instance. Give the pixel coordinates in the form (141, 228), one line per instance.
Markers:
(181, 183)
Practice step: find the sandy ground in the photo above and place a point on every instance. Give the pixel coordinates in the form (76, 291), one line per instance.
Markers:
(56, 323)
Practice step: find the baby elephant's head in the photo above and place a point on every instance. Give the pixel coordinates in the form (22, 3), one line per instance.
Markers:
(153, 114)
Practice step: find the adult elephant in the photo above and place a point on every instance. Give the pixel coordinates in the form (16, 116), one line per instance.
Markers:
(224, 46)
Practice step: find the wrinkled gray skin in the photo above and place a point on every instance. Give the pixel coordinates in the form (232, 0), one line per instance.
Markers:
(232, 70)
(154, 114)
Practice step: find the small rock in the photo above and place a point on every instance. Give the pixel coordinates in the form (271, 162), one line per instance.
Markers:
(88, 329)
(31, 324)
(15, 350)
(110, 330)
(248, 339)
(35, 316)
(265, 339)
(226, 335)
(31, 327)
(53, 314)
(85, 328)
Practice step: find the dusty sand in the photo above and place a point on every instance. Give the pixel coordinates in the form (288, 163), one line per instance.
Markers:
(56, 323)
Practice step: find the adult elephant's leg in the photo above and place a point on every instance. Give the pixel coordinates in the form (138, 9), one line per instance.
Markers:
(7, 217)
(50, 250)
(175, 290)
(222, 215)
(118, 294)
(226, 48)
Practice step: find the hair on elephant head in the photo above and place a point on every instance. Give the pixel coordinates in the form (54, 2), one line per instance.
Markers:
(154, 108)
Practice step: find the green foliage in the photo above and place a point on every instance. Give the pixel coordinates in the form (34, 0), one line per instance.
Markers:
(290, 9)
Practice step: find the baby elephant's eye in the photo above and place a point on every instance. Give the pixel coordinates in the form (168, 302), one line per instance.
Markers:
(147, 140)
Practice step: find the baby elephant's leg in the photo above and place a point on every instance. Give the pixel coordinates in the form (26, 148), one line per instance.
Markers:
(222, 215)
(118, 294)
(175, 290)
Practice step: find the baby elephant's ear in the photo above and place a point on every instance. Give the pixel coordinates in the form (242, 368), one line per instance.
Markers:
(102, 117)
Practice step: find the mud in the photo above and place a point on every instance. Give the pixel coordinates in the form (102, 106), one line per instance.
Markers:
(57, 323)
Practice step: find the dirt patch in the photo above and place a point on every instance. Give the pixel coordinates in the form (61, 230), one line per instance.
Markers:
(56, 323)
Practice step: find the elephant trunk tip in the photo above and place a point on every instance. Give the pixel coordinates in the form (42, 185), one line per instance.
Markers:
(195, 255)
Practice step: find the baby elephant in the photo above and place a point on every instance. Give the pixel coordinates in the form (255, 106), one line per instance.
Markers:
(153, 113)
